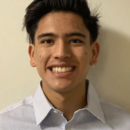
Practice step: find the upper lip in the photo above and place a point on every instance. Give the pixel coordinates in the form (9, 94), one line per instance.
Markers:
(61, 65)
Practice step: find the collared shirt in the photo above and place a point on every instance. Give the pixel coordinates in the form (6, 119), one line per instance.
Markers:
(37, 113)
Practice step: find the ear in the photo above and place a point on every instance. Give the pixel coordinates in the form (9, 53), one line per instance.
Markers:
(95, 53)
(31, 54)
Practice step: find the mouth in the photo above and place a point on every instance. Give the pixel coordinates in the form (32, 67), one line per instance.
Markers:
(62, 69)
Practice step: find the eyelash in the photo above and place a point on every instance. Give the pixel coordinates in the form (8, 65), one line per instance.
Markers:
(79, 41)
(46, 40)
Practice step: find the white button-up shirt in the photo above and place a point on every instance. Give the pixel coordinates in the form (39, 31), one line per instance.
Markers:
(37, 113)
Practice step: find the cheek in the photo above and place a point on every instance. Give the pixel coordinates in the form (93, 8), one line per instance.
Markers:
(85, 55)
(86, 58)
(38, 56)
(41, 56)
(81, 54)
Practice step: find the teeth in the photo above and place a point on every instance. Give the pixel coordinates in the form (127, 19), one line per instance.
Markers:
(63, 69)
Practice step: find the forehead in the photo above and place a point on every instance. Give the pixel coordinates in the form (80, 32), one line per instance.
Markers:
(61, 23)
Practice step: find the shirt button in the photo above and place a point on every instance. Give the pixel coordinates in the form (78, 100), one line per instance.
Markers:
(55, 111)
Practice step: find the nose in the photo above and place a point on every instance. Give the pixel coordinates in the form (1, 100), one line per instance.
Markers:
(62, 51)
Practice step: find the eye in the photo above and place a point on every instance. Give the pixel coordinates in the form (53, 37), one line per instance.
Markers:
(76, 41)
(47, 41)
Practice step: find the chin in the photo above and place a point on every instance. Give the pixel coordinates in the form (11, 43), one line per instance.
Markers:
(61, 85)
(62, 88)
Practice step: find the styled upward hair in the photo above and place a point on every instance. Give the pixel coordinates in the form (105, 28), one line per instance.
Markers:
(38, 8)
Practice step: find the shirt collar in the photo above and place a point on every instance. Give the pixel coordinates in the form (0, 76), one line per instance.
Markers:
(94, 105)
(42, 106)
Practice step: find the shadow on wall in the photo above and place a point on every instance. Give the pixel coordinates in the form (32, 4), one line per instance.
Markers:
(112, 72)
(114, 51)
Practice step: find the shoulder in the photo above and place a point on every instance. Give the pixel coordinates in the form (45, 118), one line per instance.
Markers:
(15, 112)
(25, 102)
(115, 116)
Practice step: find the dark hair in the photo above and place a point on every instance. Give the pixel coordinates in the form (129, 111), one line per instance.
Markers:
(38, 8)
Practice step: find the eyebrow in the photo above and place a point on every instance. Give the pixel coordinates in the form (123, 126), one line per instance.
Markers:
(46, 35)
(76, 34)
(54, 35)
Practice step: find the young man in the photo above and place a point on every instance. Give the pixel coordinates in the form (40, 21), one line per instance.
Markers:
(62, 36)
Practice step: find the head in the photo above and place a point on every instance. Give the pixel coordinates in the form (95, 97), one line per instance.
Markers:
(39, 8)
(62, 36)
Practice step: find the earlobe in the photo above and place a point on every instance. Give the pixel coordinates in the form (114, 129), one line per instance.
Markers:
(31, 54)
(95, 53)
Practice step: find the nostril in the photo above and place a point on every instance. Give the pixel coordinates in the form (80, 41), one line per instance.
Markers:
(62, 55)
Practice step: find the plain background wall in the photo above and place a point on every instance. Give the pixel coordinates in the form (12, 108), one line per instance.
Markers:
(111, 76)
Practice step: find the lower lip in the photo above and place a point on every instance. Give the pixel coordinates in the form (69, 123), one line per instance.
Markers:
(62, 74)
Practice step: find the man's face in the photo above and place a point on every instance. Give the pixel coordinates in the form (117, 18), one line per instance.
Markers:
(62, 52)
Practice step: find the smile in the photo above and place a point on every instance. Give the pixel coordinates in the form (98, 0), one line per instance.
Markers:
(62, 69)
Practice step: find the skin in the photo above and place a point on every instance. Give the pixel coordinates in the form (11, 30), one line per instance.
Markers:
(63, 48)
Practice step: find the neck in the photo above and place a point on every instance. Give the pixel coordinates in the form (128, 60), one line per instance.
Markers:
(67, 102)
